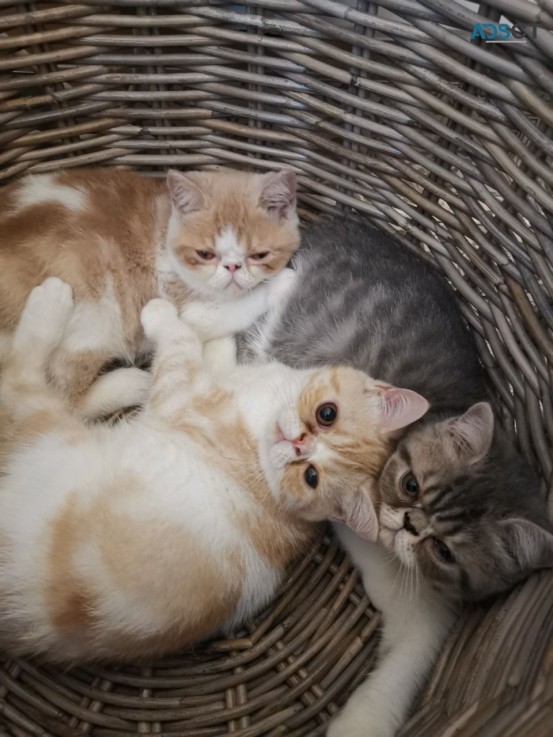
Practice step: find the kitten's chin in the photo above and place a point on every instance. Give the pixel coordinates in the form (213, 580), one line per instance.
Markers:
(231, 291)
(275, 454)
(387, 537)
(403, 547)
(399, 543)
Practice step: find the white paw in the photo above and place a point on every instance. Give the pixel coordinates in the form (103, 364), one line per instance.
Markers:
(280, 287)
(196, 314)
(46, 314)
(204, 318)
(156, 315)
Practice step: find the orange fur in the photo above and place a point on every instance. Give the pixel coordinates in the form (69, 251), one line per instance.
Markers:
(127, 546)
(355, 449)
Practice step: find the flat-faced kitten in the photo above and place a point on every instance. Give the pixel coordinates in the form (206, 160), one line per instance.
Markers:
(461, 517)
(139, 539)
(120, 239)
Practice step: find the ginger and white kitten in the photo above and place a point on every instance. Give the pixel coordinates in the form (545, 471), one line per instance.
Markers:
(120, 239)
(139, 539)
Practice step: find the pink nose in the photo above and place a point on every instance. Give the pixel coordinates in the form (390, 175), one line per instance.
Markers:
(301, 444)
(232, 267)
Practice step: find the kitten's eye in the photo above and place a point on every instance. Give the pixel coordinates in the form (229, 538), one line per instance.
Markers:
(259, 256)
(326, 414)
(409, 484)
(205, 255)
(442, 551)
(311, 477)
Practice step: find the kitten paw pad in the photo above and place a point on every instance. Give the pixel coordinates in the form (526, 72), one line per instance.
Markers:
(280, 287)
(46, 313)
(156, 314)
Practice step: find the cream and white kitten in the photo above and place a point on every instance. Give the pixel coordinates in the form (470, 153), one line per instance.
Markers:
(120, 239)
(139, 539)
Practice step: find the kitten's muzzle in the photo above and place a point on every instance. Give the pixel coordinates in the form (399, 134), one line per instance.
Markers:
(409, 526)
(232, 267)
(302, 445)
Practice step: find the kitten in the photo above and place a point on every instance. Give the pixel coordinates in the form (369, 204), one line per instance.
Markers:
(139, 539)
(120, 239)
(461, 517)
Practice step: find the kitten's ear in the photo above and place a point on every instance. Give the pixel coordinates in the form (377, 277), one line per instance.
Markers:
(531, 544)
(278, 193)
(471, 434)
(398, 407)
(357, 512)
(186, 195)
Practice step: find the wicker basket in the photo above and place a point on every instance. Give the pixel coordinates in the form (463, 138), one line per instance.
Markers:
(383, 106)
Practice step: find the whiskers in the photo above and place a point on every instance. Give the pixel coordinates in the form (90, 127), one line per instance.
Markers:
(279, 391)
(407, 579)
(254, 477)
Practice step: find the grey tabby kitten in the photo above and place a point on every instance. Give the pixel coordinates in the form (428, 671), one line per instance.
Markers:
(461, 516)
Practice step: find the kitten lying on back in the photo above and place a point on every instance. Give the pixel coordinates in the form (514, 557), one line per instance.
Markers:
(461, 517)
(139, 539)
(120, 239)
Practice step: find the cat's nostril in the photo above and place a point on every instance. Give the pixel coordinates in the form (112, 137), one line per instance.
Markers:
(232, 267)
(299, 444)
(409, 526)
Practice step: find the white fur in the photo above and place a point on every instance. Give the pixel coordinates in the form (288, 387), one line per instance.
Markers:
(220, 355)
(228, 248)
(37, 189)
(415, 623)
(213, 320)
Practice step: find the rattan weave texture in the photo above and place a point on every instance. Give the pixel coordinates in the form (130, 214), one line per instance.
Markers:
(386, 107)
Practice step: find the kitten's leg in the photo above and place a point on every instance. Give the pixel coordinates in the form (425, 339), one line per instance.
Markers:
(213, 320)
(116, 390)
(24, 391)
(415, 624)
(177, 364)
(94, 337)
(220, 355)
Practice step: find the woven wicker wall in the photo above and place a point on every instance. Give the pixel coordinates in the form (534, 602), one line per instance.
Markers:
(386, 107)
